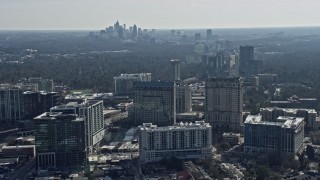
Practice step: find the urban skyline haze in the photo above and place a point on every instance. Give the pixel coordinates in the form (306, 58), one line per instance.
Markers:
(178, 14)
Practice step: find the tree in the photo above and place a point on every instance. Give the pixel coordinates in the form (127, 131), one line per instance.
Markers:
(302, 161)
(291, 163)
(262, 173)
(225, 146)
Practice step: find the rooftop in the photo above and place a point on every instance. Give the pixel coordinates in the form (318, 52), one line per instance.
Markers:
(283, 121)
(253, 119)
(229, 79)
(152, 84)
(181, 125)
(129, 76)
(288, 110)
(290, 122)
(56, 115)
(19, 147)
(231, 134)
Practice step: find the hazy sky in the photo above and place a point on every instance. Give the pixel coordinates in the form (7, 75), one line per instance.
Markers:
(97, 14)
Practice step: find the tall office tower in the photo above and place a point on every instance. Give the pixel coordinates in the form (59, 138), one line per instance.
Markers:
(36, 103)
(246, 56)
(60, 141)
(11, 105)
(220, 60)
(234, 65)
(204, 60)
(31, 104)
(182, 140)
(134, 32)
(212, 64)
(48, 100)
(209, 34)
(284, 136)
(154, 102)
(183, 99)
(224, 101)
(197, 36)
(120, 33)
(116, 26)
(176, 69)
(92, 112)
(139, 31)
(123, 84)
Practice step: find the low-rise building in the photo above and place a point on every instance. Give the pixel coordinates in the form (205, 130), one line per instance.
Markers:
(231, 138)
(18, 151)
(189, 116)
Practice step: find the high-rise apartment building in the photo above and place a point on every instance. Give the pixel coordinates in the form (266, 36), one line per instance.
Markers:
(224, 99)
(154, 102)
(182, 140)
(284, 136)
(60, 141)
(92, 111)
(123, 84)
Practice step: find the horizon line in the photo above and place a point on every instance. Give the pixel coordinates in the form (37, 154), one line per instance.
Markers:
(202, 28)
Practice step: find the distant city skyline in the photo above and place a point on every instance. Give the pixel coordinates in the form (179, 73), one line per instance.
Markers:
(165, 14)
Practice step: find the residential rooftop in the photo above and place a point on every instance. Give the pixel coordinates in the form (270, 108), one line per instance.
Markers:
(181, 125)
(283, 121)
(289, 110)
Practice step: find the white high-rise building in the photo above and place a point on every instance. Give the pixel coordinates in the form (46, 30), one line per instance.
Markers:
(182, 140)
(285, 136)
(92, 111)
(224, 99)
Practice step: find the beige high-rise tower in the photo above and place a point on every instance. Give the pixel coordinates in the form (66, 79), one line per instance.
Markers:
(224, 99)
